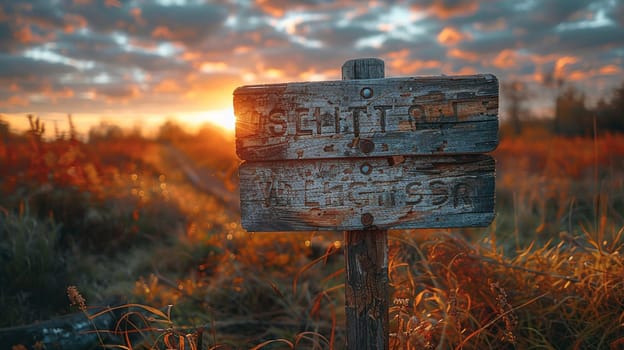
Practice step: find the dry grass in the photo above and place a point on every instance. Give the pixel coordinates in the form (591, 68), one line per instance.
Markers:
(545, 275)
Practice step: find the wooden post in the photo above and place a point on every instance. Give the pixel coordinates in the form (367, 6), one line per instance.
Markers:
(366, 258)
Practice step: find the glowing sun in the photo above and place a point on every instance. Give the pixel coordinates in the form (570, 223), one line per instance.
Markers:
(223, 118)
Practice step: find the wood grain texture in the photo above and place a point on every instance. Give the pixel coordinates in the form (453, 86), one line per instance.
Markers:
(363, 68)
(366, 289)
(366, 258)
(364, 194)
(367, 118)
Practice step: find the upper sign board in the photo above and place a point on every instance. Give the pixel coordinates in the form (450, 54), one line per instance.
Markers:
(367, 118)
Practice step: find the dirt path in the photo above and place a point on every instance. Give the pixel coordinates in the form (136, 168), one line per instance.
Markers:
(202, 178)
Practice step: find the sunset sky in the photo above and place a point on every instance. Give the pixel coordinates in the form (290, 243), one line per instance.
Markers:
(143, 61)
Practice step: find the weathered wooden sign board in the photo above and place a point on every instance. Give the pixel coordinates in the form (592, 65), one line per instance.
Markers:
(355, 194)
(347, 155)
(367, 118)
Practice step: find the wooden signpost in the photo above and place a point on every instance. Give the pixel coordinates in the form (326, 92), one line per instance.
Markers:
(364, 155)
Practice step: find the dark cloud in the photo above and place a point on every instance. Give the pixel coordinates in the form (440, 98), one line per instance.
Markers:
(129, 54)
(15, 68)
(492, 43)
(188, 24)
(547, 14)
(7, 43)
(101, 16)
(116, 92)
(278, 8)
(581, 40)
(332, 35)
(424, 48)
(617, 14)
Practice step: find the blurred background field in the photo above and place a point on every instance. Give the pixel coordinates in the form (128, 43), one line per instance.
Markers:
(154, 220)
(133, 201)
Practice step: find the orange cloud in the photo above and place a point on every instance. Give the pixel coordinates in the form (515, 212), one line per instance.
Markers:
(610, 69)
(112, 3)
(451, 36)
(542, 59)
(460, 8)
(417, 66)
(190, 55)
(242, 49)
(212, 67)
(24, 35)
(464, 55)
(398, 54)
(73, 22)
(400, 63)
(167, 86)
(561, 63)
(51, 94)
(506, 59)
(162, 32)
(313, 75)
(136, 14)
(271, 9)
(15, 100)
(580, 75)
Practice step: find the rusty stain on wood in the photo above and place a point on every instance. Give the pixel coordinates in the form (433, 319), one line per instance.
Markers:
(338, 119)
(407, 192)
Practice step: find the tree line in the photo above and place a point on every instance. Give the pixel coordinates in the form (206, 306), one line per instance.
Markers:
(571, 116)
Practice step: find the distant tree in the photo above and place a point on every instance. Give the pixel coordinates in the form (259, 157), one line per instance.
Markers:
(617, 101)
(572, 117)
(73, 133)
(4, 130)
(105, 131)
(171, 132)
(5, 155)
(610, 114)
(516, 93)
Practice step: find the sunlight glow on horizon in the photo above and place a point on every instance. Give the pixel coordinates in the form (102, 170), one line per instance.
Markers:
(148, 124)
(223, 118)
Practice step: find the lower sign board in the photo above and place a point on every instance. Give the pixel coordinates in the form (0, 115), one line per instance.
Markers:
(368, 193)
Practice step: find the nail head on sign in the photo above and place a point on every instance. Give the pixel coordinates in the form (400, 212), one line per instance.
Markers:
(366, 92)
(366, 168)
(367, 219)
(367, 146)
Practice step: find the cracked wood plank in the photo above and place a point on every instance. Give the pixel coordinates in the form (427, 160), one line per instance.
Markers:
(367, 118)
(367, 194)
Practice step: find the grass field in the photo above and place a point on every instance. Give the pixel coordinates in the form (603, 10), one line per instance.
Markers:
(154, 221)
